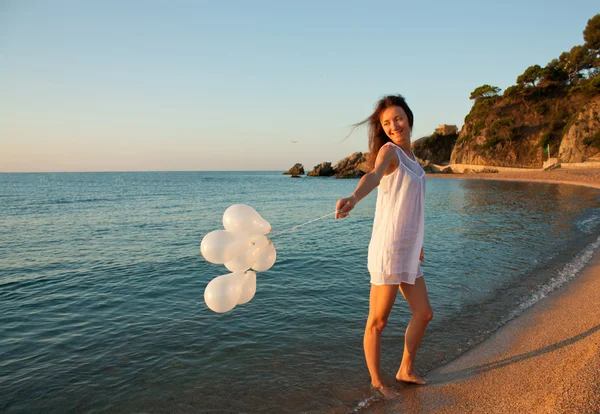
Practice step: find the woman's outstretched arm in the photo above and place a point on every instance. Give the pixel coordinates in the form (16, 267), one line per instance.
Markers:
(387, 160)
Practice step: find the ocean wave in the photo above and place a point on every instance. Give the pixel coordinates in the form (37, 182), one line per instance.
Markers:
(589, 224)
(566, 274)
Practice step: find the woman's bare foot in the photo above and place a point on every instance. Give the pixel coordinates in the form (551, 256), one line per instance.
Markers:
(410, 376)
(384, 392)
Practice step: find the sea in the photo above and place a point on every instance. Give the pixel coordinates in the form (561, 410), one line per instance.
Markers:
(102, 284)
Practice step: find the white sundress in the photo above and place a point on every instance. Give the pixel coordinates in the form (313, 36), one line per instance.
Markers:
(399, 225)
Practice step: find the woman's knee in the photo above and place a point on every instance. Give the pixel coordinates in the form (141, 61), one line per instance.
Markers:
(424, 316)
(376, 323)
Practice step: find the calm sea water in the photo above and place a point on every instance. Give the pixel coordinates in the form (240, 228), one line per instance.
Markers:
(102, 282)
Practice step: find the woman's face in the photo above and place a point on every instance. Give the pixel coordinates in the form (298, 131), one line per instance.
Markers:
(395, 124)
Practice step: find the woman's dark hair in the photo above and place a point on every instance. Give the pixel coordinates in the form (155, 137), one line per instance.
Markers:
(377, 136)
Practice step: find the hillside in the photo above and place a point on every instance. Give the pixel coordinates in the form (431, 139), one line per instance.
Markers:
(555, 108)
(517, 130)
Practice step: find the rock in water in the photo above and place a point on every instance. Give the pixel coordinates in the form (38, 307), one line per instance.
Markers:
(296, 170)
(354, 166)
(322, 170)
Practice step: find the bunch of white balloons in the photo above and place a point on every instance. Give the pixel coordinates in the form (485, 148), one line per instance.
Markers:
(240, 247)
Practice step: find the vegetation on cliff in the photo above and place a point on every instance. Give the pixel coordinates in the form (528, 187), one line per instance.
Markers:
(546, 106)
(435, 148)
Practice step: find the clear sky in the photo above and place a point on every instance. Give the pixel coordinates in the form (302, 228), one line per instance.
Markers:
(229, 85)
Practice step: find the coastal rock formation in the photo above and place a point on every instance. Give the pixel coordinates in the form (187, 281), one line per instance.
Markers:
(322, 170)
(354, 166)
(297, 169)
(437, 147)
(516, 129)
(575, 145)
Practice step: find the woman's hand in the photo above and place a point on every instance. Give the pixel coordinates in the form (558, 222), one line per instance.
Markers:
(344, 206)
(422, 256)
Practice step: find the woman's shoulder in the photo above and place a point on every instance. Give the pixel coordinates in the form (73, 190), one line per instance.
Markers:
(388, 156)
(387, 150)
(388, 145)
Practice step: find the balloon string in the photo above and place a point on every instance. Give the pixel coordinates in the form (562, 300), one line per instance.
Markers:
(300, 225)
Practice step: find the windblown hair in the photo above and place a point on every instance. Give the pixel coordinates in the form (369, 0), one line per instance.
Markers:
(377, 136)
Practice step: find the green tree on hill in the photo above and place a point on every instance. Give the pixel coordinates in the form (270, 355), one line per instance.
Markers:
(577, 62)
(484, 91)
(591, 34)
(554, 72)
(583, 61)
(531, 75)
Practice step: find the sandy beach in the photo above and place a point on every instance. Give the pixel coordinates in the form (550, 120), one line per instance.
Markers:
(585, 177)
(545, 361)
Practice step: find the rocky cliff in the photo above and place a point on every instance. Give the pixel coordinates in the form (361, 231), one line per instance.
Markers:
(581, 140)
(517, 130)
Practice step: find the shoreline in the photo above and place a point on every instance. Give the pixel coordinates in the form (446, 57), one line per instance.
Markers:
(581, 177)
(545, 360)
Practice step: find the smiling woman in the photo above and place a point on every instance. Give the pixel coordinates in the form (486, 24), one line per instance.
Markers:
(391, 121)
(396, 247)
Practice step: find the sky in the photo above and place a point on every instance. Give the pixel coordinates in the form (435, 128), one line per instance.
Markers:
(249, 85)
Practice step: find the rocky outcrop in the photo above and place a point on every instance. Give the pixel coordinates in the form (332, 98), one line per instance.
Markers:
(516, 129)
(354, 166)
(437, 147)
(297, 169)
(575, 145)
(322, 170)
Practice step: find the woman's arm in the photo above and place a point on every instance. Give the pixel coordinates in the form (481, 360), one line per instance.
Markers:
(387, 160)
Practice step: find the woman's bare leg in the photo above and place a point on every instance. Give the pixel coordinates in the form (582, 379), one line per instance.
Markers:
(418, 300)
(381, 300)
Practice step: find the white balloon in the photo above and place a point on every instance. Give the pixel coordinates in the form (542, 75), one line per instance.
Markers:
(265, 258)
(248, 289)
(259, 241)
(243, 261)
(223, 292)
(247, 258)
(221, 246)
(243, 218)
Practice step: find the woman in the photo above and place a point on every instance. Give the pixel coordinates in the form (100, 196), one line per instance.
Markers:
(396, 247)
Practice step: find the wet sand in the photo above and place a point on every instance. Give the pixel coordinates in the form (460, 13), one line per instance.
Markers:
(544, 361)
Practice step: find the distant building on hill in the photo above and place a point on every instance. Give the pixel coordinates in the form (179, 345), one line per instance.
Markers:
(446, 129)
